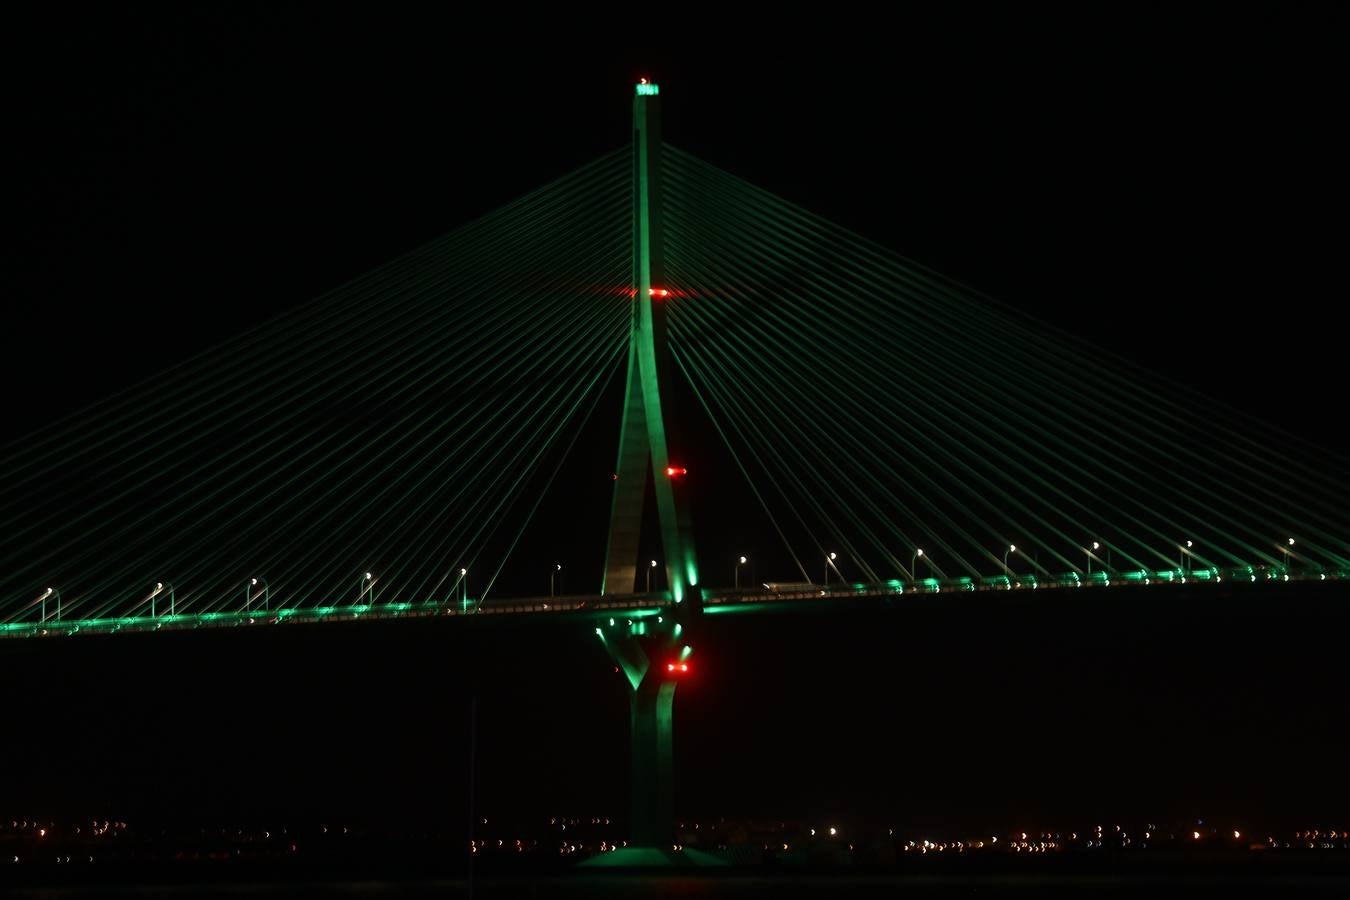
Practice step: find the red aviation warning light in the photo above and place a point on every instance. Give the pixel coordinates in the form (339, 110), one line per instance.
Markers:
(676, 471)
(657, 292)
(677, 668)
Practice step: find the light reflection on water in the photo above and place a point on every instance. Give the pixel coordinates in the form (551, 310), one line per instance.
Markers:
(1227, 884)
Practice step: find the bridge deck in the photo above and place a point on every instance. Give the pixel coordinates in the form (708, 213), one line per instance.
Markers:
(592, 607)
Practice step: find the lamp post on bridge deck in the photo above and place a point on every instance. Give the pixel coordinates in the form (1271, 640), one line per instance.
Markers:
(160, 586)
(266, 594)
(43, 600)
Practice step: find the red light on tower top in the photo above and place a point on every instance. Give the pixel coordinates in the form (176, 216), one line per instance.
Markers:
(677, 667)
(676, 471)
(658, 292)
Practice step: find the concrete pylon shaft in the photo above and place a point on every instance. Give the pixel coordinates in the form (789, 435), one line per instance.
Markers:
(652, 723)
(645, 442)
(648, 455)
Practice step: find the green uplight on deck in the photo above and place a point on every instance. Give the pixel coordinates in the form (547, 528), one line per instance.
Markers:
(685, 653)
(646, 88)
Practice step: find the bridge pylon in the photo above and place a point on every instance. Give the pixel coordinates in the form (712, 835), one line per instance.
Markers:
(649, 448)
(652, 653)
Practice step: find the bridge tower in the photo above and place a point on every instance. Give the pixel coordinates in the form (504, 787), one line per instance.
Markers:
(647, 448)
(652, 654)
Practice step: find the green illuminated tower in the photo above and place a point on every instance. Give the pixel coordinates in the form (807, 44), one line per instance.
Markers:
(648, 450)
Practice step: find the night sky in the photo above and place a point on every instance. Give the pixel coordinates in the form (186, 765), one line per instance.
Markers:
(1172, 189)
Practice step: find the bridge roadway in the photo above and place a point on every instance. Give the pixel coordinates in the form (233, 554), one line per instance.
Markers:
(593, 608)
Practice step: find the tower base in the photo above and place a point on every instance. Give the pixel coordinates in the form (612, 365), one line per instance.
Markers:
(653, 858)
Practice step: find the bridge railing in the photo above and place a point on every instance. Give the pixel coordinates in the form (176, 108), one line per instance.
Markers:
(651, 604)
(1027, 581)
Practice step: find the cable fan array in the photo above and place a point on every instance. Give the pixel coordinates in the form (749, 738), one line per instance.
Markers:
(385, 440)
(395, 437)
(918, 428)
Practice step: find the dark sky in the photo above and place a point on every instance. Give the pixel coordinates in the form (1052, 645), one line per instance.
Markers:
(1172, 188)
(1169, 186)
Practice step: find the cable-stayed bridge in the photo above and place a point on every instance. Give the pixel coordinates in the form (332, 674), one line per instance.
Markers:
(384, 451)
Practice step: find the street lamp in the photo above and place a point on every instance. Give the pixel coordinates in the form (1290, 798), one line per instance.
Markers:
(914, 563)
(740, 561)
(829, 561)
(464, 588)
(1012, 548)
(1286, 555)
(649, 576)
(248, 594)
(160, 587)
(367, 583)
(1095, 547)
(45, 594)
(557, 567)
(1186, 558)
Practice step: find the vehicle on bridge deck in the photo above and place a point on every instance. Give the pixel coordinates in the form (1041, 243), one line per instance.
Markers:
(789, 587)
